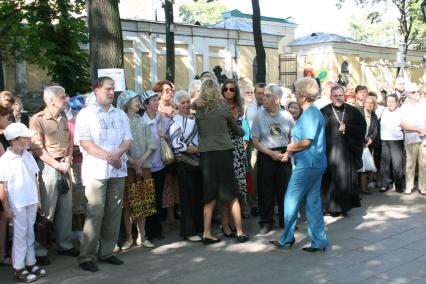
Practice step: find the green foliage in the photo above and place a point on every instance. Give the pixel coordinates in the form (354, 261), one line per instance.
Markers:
(206, 12)
(372, 30)
(46, 33)
(409, 21)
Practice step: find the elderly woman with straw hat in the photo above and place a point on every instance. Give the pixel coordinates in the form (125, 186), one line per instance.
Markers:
(139, 154)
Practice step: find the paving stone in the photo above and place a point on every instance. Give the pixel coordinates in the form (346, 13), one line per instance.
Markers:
(384, 241)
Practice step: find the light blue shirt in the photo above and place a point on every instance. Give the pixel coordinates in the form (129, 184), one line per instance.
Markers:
(310, 126)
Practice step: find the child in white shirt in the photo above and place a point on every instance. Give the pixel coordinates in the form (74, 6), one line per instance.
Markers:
(20, 199)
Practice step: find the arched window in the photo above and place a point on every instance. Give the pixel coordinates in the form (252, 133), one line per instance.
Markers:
(345, 68)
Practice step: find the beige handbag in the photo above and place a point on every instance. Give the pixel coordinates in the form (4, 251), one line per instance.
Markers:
(166, 152)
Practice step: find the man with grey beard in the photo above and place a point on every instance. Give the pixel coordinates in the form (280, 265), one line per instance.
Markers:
(345, 129)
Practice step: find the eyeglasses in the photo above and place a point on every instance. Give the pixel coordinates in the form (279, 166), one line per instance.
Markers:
(229, 89)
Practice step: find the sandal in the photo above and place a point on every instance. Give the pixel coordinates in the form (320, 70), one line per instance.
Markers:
(5, 260)
(37, 271)
(24, 276)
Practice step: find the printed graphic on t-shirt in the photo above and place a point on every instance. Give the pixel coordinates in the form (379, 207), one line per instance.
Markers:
(275, 130)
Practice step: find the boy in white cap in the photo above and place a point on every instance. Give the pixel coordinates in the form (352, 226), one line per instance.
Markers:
(20, 199)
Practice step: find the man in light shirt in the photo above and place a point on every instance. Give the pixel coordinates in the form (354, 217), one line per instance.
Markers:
(103, 134)
(52, 145)
(414, 125)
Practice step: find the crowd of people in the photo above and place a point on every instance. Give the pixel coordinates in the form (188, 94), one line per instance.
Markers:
(214, 153)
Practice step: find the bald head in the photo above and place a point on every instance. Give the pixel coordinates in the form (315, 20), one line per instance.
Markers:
(400, 84)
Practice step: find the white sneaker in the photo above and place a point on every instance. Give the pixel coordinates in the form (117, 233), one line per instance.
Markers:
(126, 245)
(195, 239)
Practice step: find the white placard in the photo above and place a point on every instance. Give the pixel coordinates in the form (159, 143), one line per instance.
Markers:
(117, 75)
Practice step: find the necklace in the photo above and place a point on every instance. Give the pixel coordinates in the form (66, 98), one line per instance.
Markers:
(337, 117)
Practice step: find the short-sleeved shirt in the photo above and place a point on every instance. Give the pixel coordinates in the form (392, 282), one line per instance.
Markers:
(108, 130)
(18, 173)
(415, 116)
(310, 126)
(273, 131)
(52, 134)
(390, 125)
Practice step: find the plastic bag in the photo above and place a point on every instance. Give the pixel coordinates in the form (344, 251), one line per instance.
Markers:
(367, 162)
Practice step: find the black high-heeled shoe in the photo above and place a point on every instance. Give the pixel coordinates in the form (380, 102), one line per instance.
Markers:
(311, 249)
(208, 241)
(277, 244)
(230, 235)
(242, 238)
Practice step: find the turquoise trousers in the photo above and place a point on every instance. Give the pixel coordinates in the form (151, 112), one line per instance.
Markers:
(305, 184)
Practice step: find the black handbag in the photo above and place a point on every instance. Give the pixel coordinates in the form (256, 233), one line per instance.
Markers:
(43, 230)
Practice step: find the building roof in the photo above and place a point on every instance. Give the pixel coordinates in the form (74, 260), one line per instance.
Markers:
(239, 24)
(237, 13)
(321, 38)
(317, 38)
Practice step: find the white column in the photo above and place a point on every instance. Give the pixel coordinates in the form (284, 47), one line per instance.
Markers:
(192, 61)
(21, 81)
(137, 58)
(228, 58)
(153, 60)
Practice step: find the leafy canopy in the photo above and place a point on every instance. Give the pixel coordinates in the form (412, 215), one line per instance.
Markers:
(206, 12)
(46, 33)
(409, 20)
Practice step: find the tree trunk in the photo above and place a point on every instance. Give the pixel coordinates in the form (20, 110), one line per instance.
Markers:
(170, 42)
(105, 36)
(2, 83)
(258, 44)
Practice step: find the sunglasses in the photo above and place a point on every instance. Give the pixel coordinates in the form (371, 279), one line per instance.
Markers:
(229, 89)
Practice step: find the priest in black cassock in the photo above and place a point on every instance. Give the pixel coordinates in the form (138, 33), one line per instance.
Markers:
(345, 129)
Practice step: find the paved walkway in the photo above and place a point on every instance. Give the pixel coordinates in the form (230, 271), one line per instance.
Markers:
(382, 242)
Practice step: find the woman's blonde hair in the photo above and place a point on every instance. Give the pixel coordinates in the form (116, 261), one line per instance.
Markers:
(308, 88)
(210, 92)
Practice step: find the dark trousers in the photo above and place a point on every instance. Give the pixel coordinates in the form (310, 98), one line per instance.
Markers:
(272, 180)
(153, 223)
(391, 163)
(191, 199)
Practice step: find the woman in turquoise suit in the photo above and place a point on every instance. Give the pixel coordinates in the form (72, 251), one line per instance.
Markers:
(308, 150)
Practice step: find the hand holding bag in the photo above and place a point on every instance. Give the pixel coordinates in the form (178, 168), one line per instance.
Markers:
(142, 198)
(367, 161)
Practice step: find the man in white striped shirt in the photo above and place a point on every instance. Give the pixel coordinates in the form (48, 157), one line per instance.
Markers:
(103, 134)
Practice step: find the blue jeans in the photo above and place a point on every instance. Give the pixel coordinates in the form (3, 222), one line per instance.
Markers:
(305, 183)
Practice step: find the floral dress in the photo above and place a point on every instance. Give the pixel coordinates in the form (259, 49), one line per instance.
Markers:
(240, 159)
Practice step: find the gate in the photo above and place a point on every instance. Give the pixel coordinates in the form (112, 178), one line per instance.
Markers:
(288, 69)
